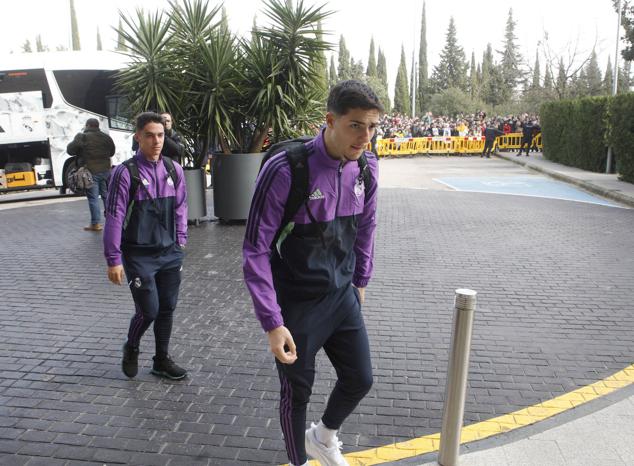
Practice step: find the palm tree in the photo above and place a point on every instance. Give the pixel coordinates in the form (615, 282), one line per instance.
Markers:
(227, 92)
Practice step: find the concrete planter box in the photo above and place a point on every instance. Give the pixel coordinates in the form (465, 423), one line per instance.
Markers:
(234, 183)
(195, 180)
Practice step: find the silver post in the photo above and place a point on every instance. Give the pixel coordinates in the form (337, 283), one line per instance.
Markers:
(615, 80)
(453, 410)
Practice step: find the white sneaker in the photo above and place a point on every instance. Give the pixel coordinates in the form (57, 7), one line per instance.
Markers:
(327, 456)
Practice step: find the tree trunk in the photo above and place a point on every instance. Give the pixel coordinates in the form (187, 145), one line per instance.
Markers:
(258, 140)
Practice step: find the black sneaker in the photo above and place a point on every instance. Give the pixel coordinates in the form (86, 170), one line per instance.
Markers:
(165, 367)
(130, 361)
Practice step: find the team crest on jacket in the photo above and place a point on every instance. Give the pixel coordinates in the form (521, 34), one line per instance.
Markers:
(359, 187)
(137, 282)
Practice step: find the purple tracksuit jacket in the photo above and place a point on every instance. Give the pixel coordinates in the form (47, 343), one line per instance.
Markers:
(158, 218)
(311, 259)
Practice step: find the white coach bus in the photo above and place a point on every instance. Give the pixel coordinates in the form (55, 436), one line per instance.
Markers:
(45, 99)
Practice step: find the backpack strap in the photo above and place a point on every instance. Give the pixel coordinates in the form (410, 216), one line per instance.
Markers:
(364, 172)
(135, 181)
(171, 171)
(297, 156)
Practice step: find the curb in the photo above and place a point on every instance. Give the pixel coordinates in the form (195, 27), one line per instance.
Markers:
(593, 188)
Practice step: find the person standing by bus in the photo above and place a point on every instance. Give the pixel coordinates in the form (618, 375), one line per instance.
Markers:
(308, 281)
(145, 235)
(95, 149)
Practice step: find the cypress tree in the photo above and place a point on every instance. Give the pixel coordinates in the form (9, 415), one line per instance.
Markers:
(381, 68)
(224, 22)
(320, 64)
(423, 91)
(99, 46)
(452, 69)
(121, 47)
(39, 46)
(623, 84)
(412, 86)
(401, 87)
(492, 85)
(26, 47)
(356, 70)
(73, 26)
(578, 85)
(371, 71)
(344, 70)
(608, 79)
(562, 80)
(593, 81)
(473, 77)
(536, 73)
(511, 59)
(548, 79)
(332, 77)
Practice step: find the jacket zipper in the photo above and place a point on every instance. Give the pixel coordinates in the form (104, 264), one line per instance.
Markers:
(156, 180)
(339, 173)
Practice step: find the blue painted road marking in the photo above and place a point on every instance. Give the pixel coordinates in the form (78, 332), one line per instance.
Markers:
(535, 186)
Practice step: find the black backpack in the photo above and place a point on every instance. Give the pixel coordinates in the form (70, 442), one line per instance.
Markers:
(135, 182)
(297, 155)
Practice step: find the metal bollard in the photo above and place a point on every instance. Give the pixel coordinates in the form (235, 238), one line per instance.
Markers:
(453, 410)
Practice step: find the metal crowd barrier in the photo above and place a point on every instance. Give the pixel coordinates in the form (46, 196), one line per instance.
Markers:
(447, 144)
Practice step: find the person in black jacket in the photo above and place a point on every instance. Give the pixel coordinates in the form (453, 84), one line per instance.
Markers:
(95, 149)
(527, 137)
(490, 133)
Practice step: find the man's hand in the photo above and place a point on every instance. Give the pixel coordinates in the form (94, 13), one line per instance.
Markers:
(115, 274)
(361, 295)
(278, 338)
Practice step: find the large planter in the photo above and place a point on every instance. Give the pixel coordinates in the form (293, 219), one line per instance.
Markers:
(234, 183)
(195, 179)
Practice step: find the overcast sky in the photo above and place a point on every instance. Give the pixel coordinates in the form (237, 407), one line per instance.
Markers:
(392, 23)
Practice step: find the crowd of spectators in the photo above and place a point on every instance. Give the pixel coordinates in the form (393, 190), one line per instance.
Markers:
(401, 126)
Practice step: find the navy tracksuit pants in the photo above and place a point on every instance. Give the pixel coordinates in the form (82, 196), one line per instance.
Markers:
(154, 281)
(333, 322)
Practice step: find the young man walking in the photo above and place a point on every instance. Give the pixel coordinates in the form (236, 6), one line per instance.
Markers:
(145, 233)
(308, 278)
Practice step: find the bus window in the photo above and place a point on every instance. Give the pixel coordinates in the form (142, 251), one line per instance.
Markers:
(119, 116)
(26, 81)
(86, 89)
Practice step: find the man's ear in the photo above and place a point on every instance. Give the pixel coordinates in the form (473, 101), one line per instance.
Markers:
(136, 137)
(330, 120)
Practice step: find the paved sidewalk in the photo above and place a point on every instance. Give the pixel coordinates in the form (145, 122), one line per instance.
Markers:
(608, 186)
(603, 437)
(554, 314)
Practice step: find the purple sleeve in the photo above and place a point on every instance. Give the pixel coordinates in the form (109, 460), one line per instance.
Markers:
(364, 244)
(265, 216)
(116, 208)
(181, 206)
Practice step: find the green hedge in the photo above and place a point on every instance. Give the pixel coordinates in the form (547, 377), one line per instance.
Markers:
(573, 132)
(577, 132)
(621, 122)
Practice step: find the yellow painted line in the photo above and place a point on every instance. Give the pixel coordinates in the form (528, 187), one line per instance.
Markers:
(496, 425)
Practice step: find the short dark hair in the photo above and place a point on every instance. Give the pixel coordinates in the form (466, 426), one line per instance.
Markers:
(92, 123)
(144, 118)
(350, 94)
